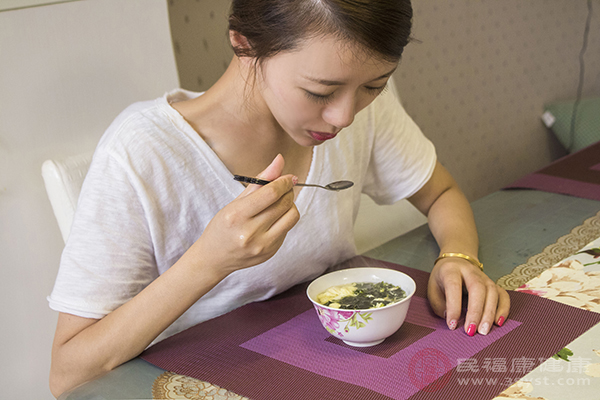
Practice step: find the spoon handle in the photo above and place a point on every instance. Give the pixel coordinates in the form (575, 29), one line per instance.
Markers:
(256, 181)
(247, 179)
(311, 185)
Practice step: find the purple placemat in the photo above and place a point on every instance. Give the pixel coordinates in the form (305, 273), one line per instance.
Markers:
(277, 349)
(577, 174)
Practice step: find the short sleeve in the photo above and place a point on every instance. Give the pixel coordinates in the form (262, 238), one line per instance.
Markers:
(402, 158)
(108, 256)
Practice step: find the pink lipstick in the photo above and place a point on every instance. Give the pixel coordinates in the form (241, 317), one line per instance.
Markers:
(321, 136)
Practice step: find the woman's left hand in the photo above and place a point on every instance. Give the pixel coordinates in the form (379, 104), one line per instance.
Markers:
(487, 303)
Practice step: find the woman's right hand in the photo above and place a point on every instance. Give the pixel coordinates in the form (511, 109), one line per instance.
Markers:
(250, 229)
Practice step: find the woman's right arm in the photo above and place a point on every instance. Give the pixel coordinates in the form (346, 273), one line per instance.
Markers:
(85, 349)
(246, 232)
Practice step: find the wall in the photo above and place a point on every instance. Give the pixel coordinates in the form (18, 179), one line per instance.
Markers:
(66, 71)
(200, 41)
(476, 83)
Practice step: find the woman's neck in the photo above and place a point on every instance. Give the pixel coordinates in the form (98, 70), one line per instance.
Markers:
(235, 97)
(233, 119)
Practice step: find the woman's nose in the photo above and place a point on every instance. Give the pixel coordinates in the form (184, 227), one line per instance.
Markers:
(340, 113)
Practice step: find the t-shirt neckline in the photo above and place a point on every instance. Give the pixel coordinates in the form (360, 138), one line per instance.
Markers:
(219, 168)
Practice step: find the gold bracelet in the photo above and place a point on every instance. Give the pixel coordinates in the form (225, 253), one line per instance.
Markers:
(472, 260)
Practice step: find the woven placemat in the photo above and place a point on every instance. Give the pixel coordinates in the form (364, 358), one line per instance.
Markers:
(277, 349)
(576, 174)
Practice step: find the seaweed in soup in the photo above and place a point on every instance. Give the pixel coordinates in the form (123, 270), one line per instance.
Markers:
(363, 295)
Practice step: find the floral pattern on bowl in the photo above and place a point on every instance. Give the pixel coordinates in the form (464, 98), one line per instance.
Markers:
(332, 320)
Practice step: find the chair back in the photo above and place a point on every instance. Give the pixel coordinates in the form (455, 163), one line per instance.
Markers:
(63, 180)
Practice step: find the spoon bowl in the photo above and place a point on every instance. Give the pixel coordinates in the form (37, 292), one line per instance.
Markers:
(333, 186)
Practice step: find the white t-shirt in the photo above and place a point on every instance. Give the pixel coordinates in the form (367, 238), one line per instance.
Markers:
(154, 185)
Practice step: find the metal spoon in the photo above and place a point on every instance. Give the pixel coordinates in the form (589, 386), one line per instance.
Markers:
(335, 186)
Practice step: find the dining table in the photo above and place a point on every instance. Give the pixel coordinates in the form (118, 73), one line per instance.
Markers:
(539, 239)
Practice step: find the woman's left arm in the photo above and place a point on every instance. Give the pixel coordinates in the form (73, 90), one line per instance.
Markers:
(451, 221)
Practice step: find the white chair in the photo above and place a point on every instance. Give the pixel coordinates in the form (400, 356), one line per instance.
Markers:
(63, 180)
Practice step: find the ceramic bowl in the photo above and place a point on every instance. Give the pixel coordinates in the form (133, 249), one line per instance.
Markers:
(362, 328)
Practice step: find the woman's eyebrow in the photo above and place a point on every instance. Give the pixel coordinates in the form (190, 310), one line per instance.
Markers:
(327, 82)
(386, 75)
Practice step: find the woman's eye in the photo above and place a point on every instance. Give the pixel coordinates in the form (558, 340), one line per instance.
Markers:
(376, 90)
(319, 98)
(326, 98)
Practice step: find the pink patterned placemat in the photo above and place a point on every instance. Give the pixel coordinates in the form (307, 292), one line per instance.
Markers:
(576, 174)
(278, 349)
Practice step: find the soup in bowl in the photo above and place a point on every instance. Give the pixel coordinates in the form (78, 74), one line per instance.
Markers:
(362, 306)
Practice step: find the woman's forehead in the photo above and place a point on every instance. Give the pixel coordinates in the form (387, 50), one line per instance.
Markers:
(332, 59)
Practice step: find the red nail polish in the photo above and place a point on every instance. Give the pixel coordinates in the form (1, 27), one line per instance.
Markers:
(500, 321)
(471, 330)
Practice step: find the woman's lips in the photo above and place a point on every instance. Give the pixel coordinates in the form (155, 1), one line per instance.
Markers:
(321, 136)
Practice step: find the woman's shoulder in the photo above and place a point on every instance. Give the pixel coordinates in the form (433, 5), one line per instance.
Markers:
(375, 119)
(145, 123)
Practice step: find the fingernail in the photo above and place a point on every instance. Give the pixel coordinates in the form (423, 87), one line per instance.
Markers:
(485, 328)
(500, 321)
(471, 330)
(294, 180)
(452, 325)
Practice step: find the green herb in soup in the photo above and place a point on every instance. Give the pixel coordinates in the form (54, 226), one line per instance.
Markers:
(361, 296)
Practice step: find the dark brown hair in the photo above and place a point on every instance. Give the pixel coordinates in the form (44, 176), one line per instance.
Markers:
(272, 26)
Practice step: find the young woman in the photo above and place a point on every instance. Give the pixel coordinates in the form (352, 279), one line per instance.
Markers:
(164, 238)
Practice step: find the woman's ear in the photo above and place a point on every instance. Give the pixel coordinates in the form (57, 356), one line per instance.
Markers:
(240, 44)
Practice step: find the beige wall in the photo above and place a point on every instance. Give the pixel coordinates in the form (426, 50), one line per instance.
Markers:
(479, 80)
(200, 41)
(476, 83)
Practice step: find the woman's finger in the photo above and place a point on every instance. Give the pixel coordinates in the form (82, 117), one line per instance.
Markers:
(264, 220)
(453, 291)
(503, 307)
(489, 310)
(437, 299)
(283, 224)
(272, 172)
(477, 296)
(276, 197)
(446, 289)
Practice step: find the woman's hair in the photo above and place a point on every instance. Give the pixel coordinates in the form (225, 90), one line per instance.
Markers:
(272, 26)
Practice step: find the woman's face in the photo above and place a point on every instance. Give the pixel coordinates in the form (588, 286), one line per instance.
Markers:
(316, 90)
